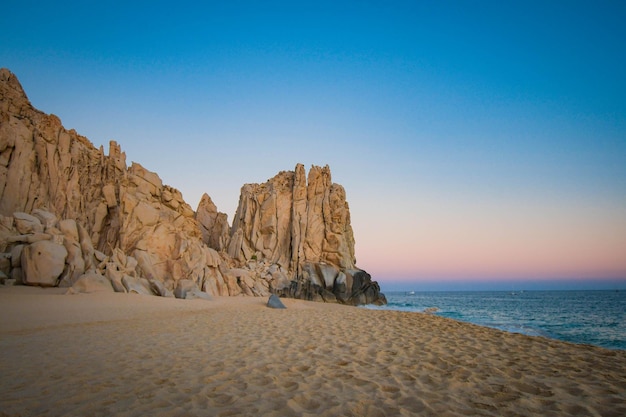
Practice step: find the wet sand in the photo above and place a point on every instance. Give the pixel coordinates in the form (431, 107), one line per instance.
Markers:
(132, 355)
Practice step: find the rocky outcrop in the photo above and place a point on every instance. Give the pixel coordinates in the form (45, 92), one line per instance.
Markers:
(302, 227)
(213, 224)
(116, 218)
(73, 216)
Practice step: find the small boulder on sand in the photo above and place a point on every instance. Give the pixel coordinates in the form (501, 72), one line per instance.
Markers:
(274, 302)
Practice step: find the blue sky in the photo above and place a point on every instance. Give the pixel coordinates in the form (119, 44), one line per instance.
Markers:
(476, 140)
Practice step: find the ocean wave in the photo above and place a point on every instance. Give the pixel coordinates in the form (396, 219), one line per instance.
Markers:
(591, 317)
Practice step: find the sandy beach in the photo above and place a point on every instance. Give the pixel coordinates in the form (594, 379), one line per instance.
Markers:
(132, 355)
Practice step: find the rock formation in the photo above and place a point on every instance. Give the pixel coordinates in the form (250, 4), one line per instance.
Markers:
(72, 216)
(213, 224)
(302, 228)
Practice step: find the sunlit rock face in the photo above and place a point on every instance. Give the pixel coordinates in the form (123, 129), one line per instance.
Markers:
(44, 166)
(302, 225)
(102, 218)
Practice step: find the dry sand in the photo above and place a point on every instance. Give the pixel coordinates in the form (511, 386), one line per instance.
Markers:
(131, 355)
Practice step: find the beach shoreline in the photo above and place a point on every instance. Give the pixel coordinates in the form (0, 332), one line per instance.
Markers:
(131, 355)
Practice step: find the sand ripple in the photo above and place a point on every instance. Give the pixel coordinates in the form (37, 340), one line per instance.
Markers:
(133, 356)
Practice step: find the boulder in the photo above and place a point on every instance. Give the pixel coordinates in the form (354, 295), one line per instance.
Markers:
(274, 302)
(137, 285)
(27, 224)
(47, 219)
(92, 282)
(115, 277)
(144, 261)
(187, 289)
(160, 289)
(43, 263)
(327, 273)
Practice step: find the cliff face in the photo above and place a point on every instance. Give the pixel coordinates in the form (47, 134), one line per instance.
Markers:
(302, 226)
(289, 236)
(43, 166)
(292, 222)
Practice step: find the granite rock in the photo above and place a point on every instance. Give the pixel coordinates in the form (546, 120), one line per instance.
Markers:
(92, 282)
(43, 263)
(92, 213)
(301, 224)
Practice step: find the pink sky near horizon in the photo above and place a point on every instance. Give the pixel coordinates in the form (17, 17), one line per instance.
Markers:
(502, 242)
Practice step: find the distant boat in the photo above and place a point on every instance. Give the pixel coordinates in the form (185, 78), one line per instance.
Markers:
(409, 293)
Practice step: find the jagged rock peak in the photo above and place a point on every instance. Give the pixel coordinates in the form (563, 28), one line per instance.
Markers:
(72, 216)
(213, 224)
(292, 221)
(12, 84)
(14, 99)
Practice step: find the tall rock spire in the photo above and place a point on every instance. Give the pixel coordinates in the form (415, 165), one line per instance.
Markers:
(291, 221)
(303, 226)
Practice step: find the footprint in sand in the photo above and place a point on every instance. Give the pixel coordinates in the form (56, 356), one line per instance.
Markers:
(230, 413)
(221, 400)
(302, 403)
(392, 392)
(260, 380)
(532, 389)
(290, 386)
(302, 368)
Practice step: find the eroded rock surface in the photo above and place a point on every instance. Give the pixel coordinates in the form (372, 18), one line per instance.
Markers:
(70, 211)
(302, 226)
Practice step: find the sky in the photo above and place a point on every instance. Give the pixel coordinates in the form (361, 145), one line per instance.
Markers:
(479, 142)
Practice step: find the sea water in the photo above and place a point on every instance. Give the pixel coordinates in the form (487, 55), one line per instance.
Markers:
(590, 317)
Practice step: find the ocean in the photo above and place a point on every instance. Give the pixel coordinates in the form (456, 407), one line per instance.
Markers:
(590, 317)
